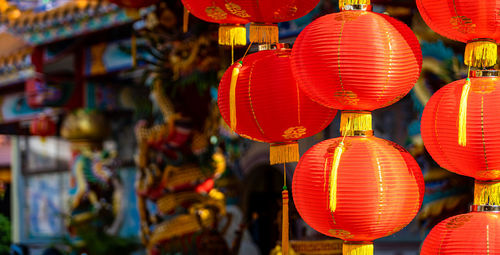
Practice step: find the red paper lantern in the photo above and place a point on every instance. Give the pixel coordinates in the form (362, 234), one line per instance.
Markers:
(232, 24)
(475, 22)
(356, 60)
(480, 157)
(263, 103)
(266, 14)
(379, 189)
(134, 3)
(472, 233)
(43, 126)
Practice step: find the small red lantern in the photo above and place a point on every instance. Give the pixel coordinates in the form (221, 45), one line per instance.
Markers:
(134, 3)
(260, 100)
(43, 126)
(479, 156)
(356, 59)
(232, 24)
(475, 22)
(472, 233)
(372, 189)
(265, 15)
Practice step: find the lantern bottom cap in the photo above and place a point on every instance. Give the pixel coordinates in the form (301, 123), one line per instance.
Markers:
(481, 54)
(232, 35)
(281, 153)
(357, 248)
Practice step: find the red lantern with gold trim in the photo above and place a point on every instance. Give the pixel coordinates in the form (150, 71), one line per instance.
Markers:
(479, 154)
(369, 189)
(356, 59)
(472, 233)
(43, 126)
(232, 30)
(260, 100)
(475, 22)
(265, 15)
(134, 3)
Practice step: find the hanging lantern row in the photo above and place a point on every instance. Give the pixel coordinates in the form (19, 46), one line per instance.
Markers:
(460, 122)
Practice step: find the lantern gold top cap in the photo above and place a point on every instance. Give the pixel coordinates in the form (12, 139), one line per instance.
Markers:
(355, 5)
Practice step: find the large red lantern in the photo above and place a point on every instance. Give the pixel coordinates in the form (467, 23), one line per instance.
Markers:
(43, 126)
(377, 187)
(475, 22)
(356, 59)
(260, 100)
(472, 233)
(480, 157)
(265, 15)
(134, 3)
(232, 24)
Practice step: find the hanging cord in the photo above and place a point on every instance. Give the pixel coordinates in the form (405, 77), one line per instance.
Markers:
(285, 222)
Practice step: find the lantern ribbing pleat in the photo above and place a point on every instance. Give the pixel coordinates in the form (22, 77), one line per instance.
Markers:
(472, 233)
(480, 158)
(269, 106)
(356, 60)
(372, 172)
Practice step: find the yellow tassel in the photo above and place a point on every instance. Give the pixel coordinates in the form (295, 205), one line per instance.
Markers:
(281, 153)
(487, 193)
(133, 50)
(462, 118)
(232, 96)
(481, 54)
(353, 123)
(343, 3)
(284, 230)
(232, 35)
(333, 176)
(357, 248)
(185, 24)
(264, 33)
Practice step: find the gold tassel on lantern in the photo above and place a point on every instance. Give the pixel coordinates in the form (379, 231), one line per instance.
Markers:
(232, 35)
(264, 33)
(281, 153)
(133, 50)
(487, 193)
(333, 176)
(185, 24)
(462, 115)
(481, 54)
(350, 248)
(232, 95)
(355, 123)
(284, 222)
(343, 3)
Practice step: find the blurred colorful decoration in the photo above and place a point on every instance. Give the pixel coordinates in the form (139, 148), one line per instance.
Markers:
(85, 125)
(265, 15)
(43, 126)
(469, 21)
(41, 93)
(134, 3)
(232, 29)
(280, 114)
(343, 61)
(472, 233)
(378, 174)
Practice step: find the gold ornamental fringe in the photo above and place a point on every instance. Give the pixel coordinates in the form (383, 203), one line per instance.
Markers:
(264, 33)
(232, 94)
(332, 188)
(481, 54)
(354, 122)
(281, 153)
(343, 3)
(232, 35)
(285, 223)
(487, 193)
(462, 114)
(357, 248)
